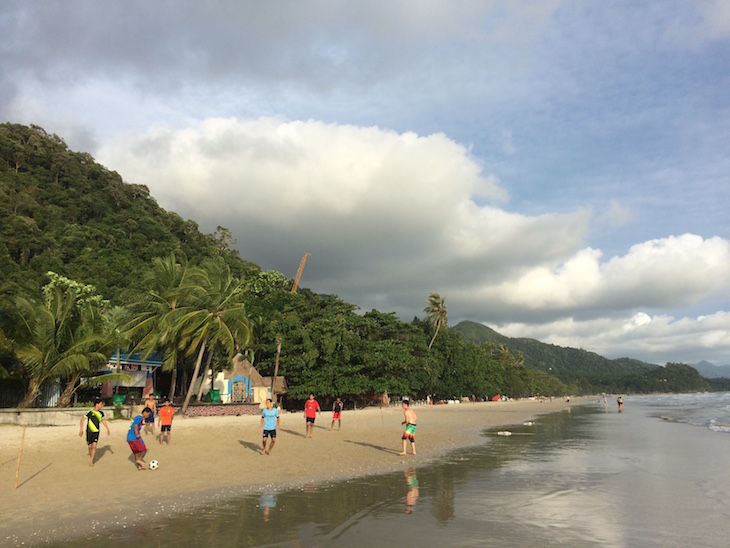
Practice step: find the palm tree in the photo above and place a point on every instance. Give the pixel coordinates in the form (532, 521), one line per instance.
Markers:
(61, 343)
(155, 312)
(216, 317)
(436, 314)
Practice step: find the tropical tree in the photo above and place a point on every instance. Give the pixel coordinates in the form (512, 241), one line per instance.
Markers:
(64, 341)
(155, 312)
(436, 314)
(216, 317)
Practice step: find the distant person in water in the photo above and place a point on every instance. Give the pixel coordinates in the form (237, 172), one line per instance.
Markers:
(620, 402)
(410, 422)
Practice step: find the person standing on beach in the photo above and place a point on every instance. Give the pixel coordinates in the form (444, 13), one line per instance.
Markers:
(165, 413)
(94, 419)
(135, 441)
(620, 402)
(337, 413)
(151, 404)
(311, 408)
(410, 422)
(269, 424)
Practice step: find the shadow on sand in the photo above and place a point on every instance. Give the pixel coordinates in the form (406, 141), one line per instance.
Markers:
(252, 446)
(378, 447)
(34, 475)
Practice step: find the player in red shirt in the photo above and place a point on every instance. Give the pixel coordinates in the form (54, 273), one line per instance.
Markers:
(311, 408)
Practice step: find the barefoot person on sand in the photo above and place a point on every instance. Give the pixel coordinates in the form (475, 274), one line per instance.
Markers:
(337, 413)
(410, 422)
(149, 422)
(269, 424)
(94, 418)
(165, 413)
(135, 441)
(311, 408)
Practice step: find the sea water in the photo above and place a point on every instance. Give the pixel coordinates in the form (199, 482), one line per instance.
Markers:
(655, 474)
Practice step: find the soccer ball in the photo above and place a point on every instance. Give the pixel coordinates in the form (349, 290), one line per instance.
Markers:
(154, 464)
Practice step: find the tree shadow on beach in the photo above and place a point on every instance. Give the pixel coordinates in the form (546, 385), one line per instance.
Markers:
(292, 432)
(34, 475)
(252, 446)
(378, 447)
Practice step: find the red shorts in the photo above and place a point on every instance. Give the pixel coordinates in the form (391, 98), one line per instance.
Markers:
(137, 446)
(335, 415)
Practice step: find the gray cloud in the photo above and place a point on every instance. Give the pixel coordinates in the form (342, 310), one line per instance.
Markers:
(557, 169)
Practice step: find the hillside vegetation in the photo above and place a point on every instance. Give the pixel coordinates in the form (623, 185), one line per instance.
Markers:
(90, 263)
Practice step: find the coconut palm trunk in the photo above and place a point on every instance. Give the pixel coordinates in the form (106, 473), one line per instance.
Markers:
(65, 399)
(205, 374)
(195, 376)
(31, 394)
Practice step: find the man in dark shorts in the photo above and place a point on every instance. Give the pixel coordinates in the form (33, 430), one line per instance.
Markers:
(149, 422)
(94, 419)
(165, 413)
(311, 408)
(269, 424)
(337, 413)
(135, 441)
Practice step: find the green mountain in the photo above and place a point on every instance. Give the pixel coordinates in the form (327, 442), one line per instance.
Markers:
(61, 211)
(568, 364)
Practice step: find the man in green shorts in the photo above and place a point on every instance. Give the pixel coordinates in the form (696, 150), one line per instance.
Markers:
(94, 418)
(410, 422)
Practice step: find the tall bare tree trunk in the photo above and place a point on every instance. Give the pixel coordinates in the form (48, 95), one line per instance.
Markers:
(65, 399)
(194, 377)
(205, 373)
(276, 370)
(173, 382)
(30, 396)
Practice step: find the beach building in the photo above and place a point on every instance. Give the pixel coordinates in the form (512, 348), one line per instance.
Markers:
(141, 371)
(243, 383)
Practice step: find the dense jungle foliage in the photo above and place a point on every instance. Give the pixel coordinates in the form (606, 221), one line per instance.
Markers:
(90, 264)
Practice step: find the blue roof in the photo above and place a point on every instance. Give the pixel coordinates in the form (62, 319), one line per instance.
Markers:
(155, 359)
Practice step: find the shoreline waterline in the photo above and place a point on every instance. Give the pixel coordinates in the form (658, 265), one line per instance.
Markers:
(212, 459)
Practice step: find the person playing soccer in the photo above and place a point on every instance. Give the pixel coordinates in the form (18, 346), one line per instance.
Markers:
(269, 424)
(410, 422)
(165, 413)
(337, 413)
(311, 408)
(149, 422)
(94, 419)
(135, 441)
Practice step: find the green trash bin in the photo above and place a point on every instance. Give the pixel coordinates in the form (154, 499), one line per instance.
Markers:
(215, 396)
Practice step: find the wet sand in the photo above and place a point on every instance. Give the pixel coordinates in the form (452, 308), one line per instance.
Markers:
(59, 496)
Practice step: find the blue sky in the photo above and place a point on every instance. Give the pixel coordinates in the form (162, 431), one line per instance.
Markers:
(557, 169)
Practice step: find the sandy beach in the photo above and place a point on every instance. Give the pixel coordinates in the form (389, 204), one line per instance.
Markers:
(59, 496)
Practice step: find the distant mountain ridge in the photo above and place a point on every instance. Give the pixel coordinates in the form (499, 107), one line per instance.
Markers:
(710, 371)
(568, 364)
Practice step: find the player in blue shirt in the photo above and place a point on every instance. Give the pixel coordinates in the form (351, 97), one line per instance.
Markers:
(269, 424)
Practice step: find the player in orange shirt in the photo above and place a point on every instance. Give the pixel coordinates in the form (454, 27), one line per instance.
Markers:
(165, 413)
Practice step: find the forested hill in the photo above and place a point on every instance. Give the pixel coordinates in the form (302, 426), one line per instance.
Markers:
(61, 211)
(568, 364)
